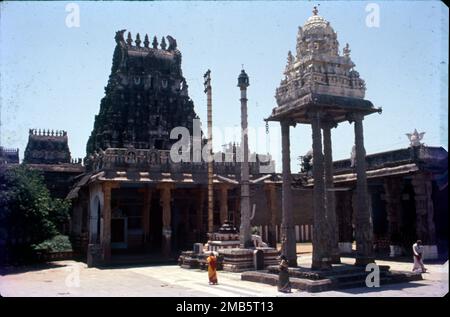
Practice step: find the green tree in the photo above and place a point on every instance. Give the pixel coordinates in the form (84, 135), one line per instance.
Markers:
(28, 214)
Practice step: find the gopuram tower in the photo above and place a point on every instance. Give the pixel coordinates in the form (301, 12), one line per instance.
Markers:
(322, 88)
(146, 96)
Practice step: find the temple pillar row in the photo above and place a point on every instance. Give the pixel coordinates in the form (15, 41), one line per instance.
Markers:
(393, 196)
(425, 226)
(271, 193)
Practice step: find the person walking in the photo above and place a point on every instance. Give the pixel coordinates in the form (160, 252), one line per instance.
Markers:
(284, 285)
(418, 267)
(212, 268)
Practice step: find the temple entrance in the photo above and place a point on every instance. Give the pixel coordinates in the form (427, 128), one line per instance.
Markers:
(126, 221)
(119, 233)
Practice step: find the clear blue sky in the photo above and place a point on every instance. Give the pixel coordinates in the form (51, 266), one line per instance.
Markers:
(53, 76)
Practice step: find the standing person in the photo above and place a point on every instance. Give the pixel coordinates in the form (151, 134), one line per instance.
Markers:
(212, 268)
(418, 257)
(284, 285)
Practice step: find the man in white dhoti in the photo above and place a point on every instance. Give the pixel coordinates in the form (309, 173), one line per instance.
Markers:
(418, 257)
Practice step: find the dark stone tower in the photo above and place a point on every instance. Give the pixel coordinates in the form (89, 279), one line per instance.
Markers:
(47, 147)
(145, 98)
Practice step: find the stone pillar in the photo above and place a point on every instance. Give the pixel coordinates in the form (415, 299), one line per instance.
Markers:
(321, 233)
(271, 194)
(106, 223)
(200, 204)
(223, 203)
(146, 213)
(363, 218)
(330, 197)
(287, 225)
(236, 213)
(393, 197)
(345, 222)
(425, 226)
(245, 231)
(165, 200)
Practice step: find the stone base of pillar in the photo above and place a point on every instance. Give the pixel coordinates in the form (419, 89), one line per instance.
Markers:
(325, 264)
(94, 255)
(395, 250)
(106, 253)
(345, 247)
(363, 261)
(335, 259)
(166, 242)
(430, 252)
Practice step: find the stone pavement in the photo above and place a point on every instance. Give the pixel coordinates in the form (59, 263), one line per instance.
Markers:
(72, 278)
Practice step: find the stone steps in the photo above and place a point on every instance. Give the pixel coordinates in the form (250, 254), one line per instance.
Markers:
(333, 282)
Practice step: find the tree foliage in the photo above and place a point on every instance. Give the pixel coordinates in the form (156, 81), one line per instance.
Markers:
(28, 214)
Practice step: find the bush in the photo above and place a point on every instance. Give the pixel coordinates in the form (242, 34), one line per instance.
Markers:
(59, 243)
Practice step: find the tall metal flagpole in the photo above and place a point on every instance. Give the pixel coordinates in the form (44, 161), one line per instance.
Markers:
(208, 92)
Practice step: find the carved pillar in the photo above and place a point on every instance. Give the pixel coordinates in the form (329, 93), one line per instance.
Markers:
(321, 234)
(345, 219)
(146, 213)
(236, 214)
(393, 196)
(330, 199)
(287, 226)
(223, 203)
(165, 200)
(271, 194)
(200, 204)
(425, 226)
(363, 219)
(106, 223)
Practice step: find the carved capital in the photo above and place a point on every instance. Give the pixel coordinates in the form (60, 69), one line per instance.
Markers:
(355, 116)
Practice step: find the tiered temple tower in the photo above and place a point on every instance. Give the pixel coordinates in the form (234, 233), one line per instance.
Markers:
(318, 67)
(47, 147)
(146, 96)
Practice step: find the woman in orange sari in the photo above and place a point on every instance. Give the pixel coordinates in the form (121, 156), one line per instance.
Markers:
(212, 268)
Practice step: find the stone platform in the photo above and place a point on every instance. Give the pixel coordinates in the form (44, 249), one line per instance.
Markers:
(240, 260)
(231, 259)
(342, 276)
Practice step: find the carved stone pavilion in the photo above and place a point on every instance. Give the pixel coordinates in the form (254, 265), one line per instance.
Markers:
(322, 88)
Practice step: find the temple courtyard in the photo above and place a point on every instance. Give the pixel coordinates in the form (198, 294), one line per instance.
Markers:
(73, 278)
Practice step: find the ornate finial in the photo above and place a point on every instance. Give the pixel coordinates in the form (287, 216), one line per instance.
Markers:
(119, 36)
(163, 43)
(290, 58)
(172, 43)
(138, 40)
(129, 40)
(315, 11)
(415, 138)
(146, 41)
(155, 43)
(346, 50)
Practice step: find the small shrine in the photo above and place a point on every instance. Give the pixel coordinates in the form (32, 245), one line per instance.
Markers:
(226, 237)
